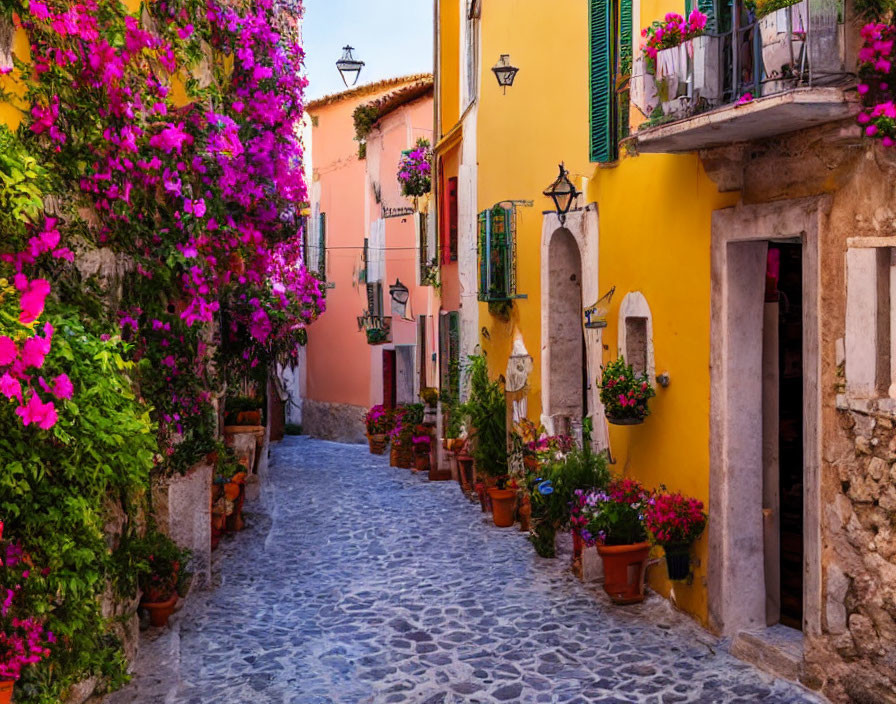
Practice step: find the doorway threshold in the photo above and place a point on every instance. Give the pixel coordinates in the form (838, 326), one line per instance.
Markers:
(777, 650)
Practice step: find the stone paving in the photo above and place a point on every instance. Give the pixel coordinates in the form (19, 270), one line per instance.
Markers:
(359, 583)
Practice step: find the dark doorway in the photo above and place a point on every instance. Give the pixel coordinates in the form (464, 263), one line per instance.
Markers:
(784, 286)
(389, 385)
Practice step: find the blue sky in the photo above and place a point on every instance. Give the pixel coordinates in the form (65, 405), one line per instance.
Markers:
(392, 37)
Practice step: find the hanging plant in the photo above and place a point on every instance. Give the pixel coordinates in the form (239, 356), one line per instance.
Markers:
(415, 170)
(624, 394)
(877, 78)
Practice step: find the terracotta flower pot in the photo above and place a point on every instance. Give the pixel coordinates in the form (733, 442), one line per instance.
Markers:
(624, 571)
(248, 418)
(377, 444)
(578, 544)
(6, 691)
(421, 462)
(503, 503)
(393, 456)
(465, 472)
(159, 611)
(481, 493)
(624, 421)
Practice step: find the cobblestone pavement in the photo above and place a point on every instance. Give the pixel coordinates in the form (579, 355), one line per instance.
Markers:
(360, 583)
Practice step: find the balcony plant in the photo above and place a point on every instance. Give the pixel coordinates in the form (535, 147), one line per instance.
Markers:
(163, 574)
(668, 53)
(486, 410)
(782, 28)
(624, 394)
(378, 421)
(415, 170)
(614, 521)
(675, 522)
(877, 79)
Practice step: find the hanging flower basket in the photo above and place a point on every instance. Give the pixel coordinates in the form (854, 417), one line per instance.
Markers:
(624, 394)
(678, 562)
(415, 170)
(624, 421)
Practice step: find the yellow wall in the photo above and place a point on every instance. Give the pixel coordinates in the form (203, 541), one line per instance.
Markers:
(449, 66)
(654, 220)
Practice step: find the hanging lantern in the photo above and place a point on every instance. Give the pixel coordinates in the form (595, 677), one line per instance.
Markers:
(563, 193)
(505, 72)
(399, 294)
(349, 67)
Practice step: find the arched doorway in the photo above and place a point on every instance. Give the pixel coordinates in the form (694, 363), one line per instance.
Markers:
(568, 377)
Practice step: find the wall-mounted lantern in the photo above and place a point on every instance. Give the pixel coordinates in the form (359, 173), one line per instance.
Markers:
(349, 67)
(505, 72)
(399, 294)
(563, 193)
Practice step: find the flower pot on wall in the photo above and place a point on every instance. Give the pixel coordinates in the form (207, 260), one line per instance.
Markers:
(624, 421)
(624, 571)
(503, 503)
(678, 562)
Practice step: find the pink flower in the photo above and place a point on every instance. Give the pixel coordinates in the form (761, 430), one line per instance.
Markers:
(62, 387)
(9, 387)
(32, 301)
(863, 118)
(863, 88)
(34, 350)
(8, 351)
(36, 411)
(871, 130)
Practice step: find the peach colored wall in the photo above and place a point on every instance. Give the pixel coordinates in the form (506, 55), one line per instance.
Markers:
(396, 132)
(338, 356)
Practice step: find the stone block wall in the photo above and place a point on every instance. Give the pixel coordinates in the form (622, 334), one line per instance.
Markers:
(340, 422)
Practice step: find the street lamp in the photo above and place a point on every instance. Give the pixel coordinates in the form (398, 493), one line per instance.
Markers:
(563, 193)
(505, 72)
(349, 66)
(399, 294)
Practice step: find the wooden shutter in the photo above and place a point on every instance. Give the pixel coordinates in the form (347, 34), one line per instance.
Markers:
(501, 273)
(708, 8)
(485, 252)
(452, 219)
(625, 69)
(602, 73)
(449, 353)
(422, 244)
(322, 247)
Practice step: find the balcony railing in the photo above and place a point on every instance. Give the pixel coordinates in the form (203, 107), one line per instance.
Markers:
(377, 328)
(752, 78)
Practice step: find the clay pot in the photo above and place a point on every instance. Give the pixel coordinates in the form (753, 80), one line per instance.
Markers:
(405, 457)
(248, 418)
(6, 691)
(159, 611)
(234, 521)
(503, 503)
(465, 472)
(479, 487)
(624, 571)
(578, 544)
(421, 462)
(524, 512)
(377, 444)
(393, 456)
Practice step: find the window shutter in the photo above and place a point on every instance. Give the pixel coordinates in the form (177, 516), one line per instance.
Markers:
(602, 73)
(501, 262)
(322, 247)
(362, 277)
(625, 68)
(485, 252)
(452, 219)
(420, 220)
(708, 8)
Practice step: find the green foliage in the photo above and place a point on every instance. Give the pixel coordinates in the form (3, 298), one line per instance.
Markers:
(578, 470)
(161, 566)
(56, 492)
(23, 181)
(623, 393)
(486, 409)
(875, 10)
(766, 7)
(365, 117)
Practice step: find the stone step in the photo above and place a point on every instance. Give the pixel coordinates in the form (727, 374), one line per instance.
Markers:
(777, 650)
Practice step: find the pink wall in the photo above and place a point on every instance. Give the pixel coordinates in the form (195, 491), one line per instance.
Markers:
(341, 367)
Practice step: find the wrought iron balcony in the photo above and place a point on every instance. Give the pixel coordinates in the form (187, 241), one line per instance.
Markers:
(749, 79)
(378, 328)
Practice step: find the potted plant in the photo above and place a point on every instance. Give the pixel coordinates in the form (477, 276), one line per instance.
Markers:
(378, 422)
(244, 410)
(675, 522)
(486, 409)
(422, 447)
(405, 420)
(430, 398)
(667, 51)
(624, 394)
(24, 640)
(615, 522)
(554, 490)
(415, 170)
(162, 575)
(235, 493)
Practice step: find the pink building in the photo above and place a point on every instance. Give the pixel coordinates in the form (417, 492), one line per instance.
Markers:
(371, 243)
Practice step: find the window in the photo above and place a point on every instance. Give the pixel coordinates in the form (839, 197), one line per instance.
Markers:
(870, 354)
(449, 353)
(636, 344)
(375, 299)
(322, 247)
(635, 334)
(448, 221)
(425, 264)
(610, 55)
(471, 53)
(362, 275)
(497, 254)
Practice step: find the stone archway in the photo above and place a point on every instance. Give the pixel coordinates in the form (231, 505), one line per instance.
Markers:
(567, 395)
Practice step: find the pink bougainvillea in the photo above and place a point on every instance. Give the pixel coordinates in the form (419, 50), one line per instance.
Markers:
(877, 79)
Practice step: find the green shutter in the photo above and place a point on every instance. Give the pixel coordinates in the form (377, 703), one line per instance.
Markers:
(485, 252)
(625, 67)
(322, 247)
(602, 79)
(708, 8)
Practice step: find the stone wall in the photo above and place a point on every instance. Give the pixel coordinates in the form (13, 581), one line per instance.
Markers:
(853, 656)
(340, 422)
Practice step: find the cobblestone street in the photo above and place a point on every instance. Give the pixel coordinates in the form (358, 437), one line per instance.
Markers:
(357, 582)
